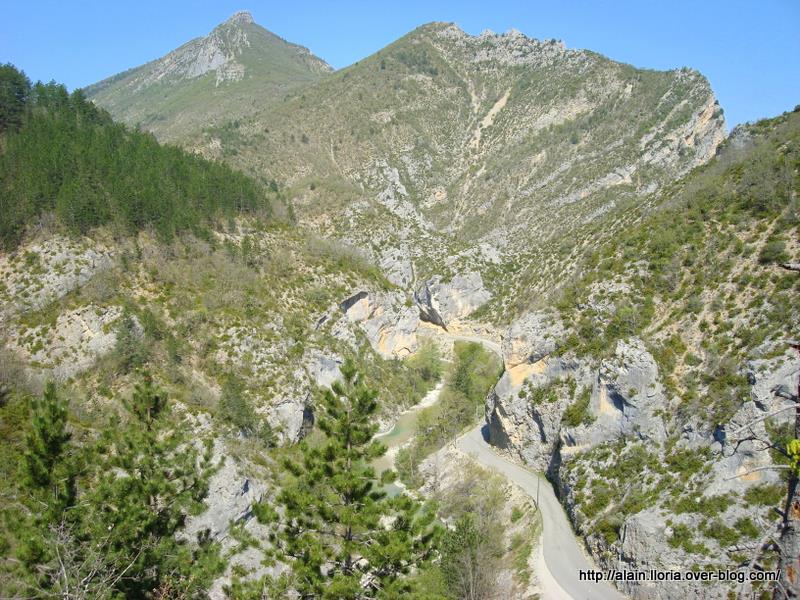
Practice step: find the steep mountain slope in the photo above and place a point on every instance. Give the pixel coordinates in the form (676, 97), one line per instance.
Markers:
(236, 69)
(201, 324)
(448, 153)
(666, 373)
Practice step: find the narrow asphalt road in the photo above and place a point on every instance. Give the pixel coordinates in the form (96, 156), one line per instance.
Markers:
(563, 556)
(488, 344)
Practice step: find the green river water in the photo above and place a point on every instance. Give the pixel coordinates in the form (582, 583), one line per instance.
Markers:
(403, 430)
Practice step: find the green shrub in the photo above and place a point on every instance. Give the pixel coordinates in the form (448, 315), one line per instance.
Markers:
(682, 537)
(765, 494)
(746, 527)
(772, 252)
(609, 527)
(578, 413)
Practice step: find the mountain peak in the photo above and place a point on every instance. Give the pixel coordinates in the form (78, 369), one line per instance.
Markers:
(241, 17)
(205, 78)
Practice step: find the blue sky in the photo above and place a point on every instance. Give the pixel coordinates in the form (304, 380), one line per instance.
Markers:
(749, 50)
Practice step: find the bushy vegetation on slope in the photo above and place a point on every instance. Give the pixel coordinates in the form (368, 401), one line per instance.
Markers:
(62, 154)
(700, 279)
(702, 282)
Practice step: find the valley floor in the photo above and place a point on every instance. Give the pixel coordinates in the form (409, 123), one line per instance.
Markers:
(560, 558)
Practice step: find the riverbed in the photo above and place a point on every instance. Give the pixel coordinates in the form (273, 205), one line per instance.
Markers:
(401, 433)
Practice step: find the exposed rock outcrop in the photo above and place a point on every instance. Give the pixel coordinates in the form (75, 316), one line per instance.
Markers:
(766, 377)
(291, 413)
(442, 302)
(625, 407)
(396, 265)
(47, 271)
(527, 430)
(389, 323)
(625, 398)
(531, 338)
(231, 495)
(76, 341)
(323, 369)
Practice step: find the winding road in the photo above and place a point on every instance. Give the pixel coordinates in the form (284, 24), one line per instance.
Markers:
(560, 556)
(560, 552)
(563, 556)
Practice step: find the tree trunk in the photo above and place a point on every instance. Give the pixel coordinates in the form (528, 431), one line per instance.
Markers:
(789, 583)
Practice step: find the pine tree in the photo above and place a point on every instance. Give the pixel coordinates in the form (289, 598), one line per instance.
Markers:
(103, 520)
(47, 475)
(46, 441)
(345, 538)
(15, 88)
(149, 477)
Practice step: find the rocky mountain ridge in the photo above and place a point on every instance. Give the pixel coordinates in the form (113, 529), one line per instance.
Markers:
(207, 77)
(446, 153)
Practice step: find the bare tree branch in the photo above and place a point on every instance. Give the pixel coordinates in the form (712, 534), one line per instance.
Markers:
(767, 468)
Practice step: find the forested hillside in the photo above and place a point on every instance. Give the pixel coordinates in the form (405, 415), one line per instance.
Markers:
(62, 154)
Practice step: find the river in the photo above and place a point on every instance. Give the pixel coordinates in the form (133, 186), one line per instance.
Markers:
(560, 556)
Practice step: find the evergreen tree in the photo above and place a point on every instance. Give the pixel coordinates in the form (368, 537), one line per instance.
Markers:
(48, 478)
(149, 477)
(119, 535)
(46, 442)
(15, 88)
(344, 536)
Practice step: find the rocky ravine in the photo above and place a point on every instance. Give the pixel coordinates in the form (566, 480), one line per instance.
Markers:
(623, 410)
(528, 417)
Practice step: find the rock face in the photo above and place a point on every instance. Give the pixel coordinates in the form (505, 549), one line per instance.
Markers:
(323, 369)
(779, 374)
(47, 271)
(396, 265)
(231, 496)
(290, 413)
(626, 399)
(644, 546)
(441, 302)
(625, 405)
(531, 338)
(531, 431)
(388, 322)
(77, 340)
